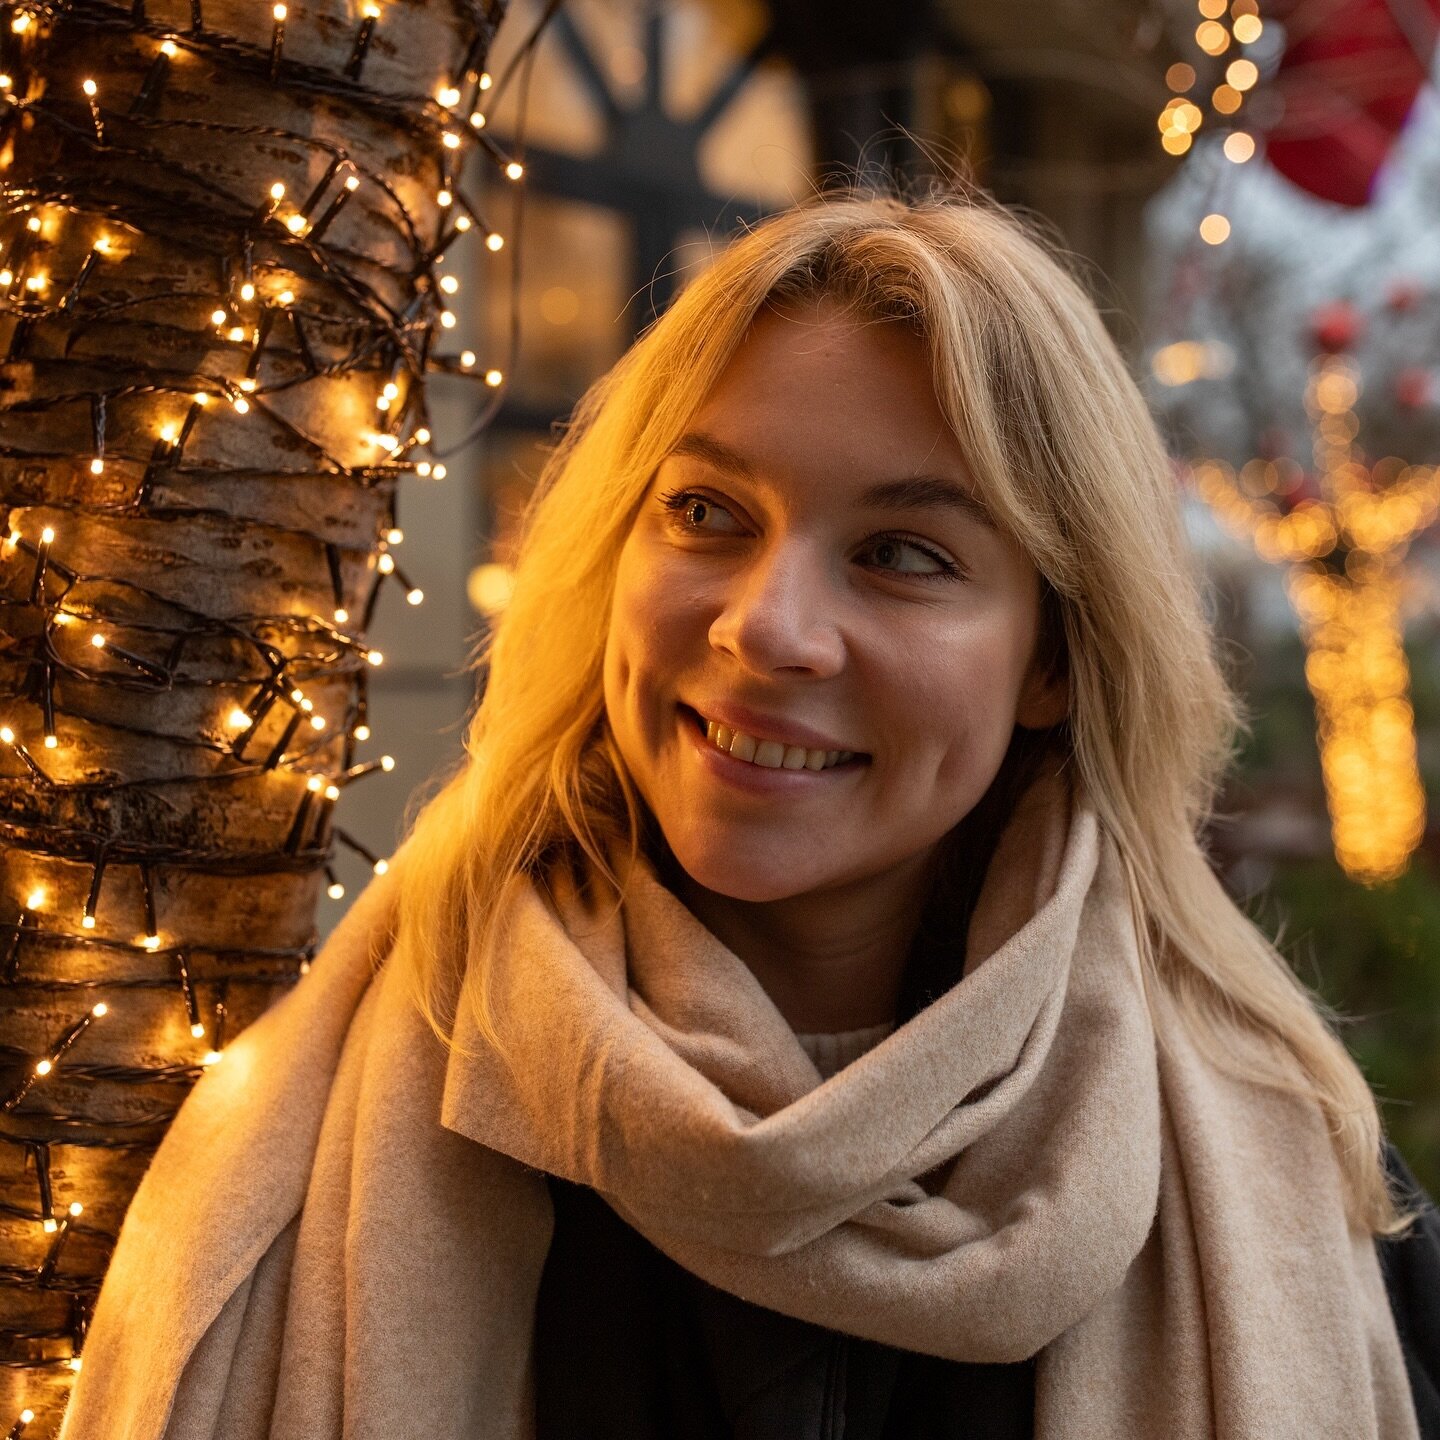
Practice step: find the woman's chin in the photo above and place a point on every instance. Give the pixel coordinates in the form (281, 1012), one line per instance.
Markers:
(753, 878)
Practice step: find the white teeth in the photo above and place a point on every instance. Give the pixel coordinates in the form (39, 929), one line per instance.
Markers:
(771, 753)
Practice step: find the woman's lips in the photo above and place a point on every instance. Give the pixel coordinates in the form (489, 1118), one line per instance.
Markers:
(758, 779)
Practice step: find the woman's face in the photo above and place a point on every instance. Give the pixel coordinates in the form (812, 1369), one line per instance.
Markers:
(811, 567)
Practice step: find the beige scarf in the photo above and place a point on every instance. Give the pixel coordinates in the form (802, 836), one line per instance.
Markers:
(343, 1233)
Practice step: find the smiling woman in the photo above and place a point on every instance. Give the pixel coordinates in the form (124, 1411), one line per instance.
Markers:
(808, 1010)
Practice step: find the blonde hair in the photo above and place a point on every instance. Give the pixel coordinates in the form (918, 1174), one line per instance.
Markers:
(1063, 449)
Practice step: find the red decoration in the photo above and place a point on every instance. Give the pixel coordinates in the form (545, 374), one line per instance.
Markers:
(1337, 326)
(1412, 388)
(1404, 294)
(1348, 79)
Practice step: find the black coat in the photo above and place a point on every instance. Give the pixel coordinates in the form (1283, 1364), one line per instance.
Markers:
(630, 1346)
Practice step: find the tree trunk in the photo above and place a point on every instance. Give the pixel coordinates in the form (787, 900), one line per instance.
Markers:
(198, 462)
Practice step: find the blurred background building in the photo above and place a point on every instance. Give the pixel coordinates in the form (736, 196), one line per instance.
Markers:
(1227, 268)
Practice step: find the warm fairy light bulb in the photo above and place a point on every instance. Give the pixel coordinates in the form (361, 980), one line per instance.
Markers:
(1239, 147)
(352, 183)
(44, 1067)
(99, 1009)
(1248, 28)
(447, 319)
(51, 742)
(381, 866)
(237, 333)
(35, 899)
(387, 442)
(89, 87)
(201, 398)
(494, 378)
(151, 942)
(422, 436)
(277, 191)
(1242, 74)
(448, 96)
(395, 536)
(47, 534)
(74, 1363)
(37, 282)
(477, 119)
(241, 404)
(391, 390)
(286, 297)
(335, 890)
(332, 792)
(197, 1030)
(317, 722)
(494, 242)
(8, 735)
(168, 434)
(382, 402)
(1214, 229)
(102, 245)
(467, 359)
(21, 23)
(485, 81)
(315, 784)
(247, 291)
(237, 719)
(169, 49)
(361, 732)
(422, 469)
(449, 284)
(386, 564)
(341, 616)
(387, 762)
(440, 472)
(247, 384)
(296, 223)
(443, 198)
(462, 223)
(50, 1226)
(415, 596)
(7, 277)
(514, 170)
(87, 922)
(212, 1057)
(450, 140)
(33, 224)
(370, 10)
(97, 466)
(375, 657)
(98, 641)
(279, 12)
(76, 1208)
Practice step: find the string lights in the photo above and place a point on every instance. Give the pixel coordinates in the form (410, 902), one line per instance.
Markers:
(216, 337)
(1343, 546)
(1213, 90)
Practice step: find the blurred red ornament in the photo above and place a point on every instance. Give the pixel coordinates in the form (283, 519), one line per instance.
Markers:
(1412, 388)
(1336, 326)
(1348, 79)
(1404, 294)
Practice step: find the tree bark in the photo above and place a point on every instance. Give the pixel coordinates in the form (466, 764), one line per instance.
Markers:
(166, 795)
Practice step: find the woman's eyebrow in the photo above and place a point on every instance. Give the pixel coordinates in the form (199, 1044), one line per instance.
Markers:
(916, 492)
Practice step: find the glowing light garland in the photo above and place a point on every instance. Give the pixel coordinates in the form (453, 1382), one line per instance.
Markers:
(216, 329)
(1214, 90)
(1344, 552)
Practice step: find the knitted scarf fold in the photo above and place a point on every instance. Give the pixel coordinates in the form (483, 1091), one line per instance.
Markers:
(343, 1233)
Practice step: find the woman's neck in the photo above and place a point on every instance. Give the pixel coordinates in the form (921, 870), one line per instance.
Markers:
(831, 960)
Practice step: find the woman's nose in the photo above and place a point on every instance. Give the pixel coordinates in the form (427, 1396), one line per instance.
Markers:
(780, 613)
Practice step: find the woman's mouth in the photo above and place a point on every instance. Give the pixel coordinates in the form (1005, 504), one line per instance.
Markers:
(766, 754)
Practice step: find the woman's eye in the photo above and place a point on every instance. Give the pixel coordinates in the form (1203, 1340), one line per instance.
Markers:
(891, 548)
(692, 511)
